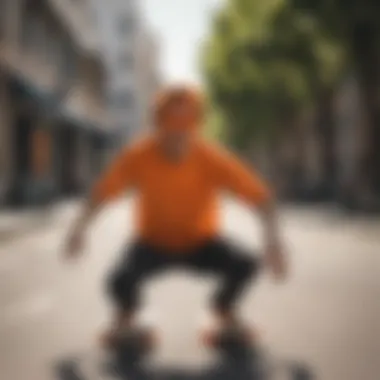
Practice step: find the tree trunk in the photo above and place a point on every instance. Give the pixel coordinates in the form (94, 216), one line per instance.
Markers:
(325, 125)
(367, 59)
(298, 169)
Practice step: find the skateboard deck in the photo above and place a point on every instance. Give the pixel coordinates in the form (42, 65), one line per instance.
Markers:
(105, 366)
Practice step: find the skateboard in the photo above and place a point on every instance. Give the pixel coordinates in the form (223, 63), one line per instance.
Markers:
(237, 359)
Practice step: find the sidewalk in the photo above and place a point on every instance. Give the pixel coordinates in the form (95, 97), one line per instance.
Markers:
(14, 224)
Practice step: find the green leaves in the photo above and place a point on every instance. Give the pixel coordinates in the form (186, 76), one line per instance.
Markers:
(264, 63)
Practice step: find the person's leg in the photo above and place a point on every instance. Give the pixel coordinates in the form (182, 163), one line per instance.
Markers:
(235, 268)
(124, 286)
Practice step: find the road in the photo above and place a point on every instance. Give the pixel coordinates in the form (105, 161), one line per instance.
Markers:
(327, 314)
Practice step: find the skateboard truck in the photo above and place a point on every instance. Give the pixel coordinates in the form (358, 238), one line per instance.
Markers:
(234, 344)
(133, 347)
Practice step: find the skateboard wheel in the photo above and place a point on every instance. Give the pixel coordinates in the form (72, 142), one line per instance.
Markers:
(149, 338)
(301, 373)
(138, 342)
(209, 339)
(235, 335)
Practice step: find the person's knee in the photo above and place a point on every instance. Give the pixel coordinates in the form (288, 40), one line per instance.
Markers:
(246, 268)
(241, 271)
(120, 286)
(114, 285)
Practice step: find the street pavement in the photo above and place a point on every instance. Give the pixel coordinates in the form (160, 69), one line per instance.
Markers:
(15, 224)
(326, 315)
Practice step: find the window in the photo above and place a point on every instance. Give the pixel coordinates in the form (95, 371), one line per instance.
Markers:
(123, 100)
(53, 45)
(30, 32)
(30, 26)
(69, 61)
(125, 25)
(57, 56)
(126, 60)
(44, 45)
(39, 31)
(4, 8)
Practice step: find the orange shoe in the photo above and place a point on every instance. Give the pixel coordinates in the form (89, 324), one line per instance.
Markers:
(211, 334)
(208, 338)
(148, 337)
(109, 339)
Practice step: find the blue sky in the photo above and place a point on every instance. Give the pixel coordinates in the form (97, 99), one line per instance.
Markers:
(180, 26)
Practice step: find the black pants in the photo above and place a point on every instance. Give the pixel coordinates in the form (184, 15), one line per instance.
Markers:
(230, 264)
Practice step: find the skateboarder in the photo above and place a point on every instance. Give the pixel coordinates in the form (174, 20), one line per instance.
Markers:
(177, 177)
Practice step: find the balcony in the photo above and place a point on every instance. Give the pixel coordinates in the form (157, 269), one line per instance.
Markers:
(77, 17)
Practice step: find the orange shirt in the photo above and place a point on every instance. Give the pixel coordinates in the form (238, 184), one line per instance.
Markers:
(177, 202)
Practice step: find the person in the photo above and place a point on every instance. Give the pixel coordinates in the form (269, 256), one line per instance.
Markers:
(178, 177)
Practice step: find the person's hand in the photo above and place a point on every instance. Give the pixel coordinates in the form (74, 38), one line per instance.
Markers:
(276, 260)
(74, 245)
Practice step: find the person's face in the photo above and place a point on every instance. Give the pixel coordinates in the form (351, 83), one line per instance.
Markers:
(175, 142)
(179, 121)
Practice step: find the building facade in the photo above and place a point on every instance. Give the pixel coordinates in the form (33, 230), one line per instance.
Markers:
(126, 41)
(54, 128)
(149, 76)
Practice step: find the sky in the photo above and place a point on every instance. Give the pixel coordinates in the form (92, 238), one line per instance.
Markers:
(180, 26)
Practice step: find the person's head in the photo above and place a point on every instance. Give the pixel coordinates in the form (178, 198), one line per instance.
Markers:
(178, 115)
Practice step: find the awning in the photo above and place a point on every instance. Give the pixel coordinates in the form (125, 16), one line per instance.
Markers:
(45, 101)
(86, 126)
(51, 106)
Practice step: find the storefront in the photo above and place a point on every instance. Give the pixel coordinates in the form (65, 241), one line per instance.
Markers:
(47, 154)
(30, 144)
(81, 151)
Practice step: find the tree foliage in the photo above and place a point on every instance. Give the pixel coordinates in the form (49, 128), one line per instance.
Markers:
(354, 24)
(264, 63)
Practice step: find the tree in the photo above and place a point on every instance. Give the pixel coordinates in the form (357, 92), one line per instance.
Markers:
(355, 24)
(264, 64)
(255, 85)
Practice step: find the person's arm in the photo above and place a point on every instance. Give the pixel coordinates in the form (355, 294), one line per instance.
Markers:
(89, 211)
(118, 176)
(274, 250)
(232, 175)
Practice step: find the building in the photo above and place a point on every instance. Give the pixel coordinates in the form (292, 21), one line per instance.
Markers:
(54, 128)
(149, 77)
(127, 44)
(118, 22)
